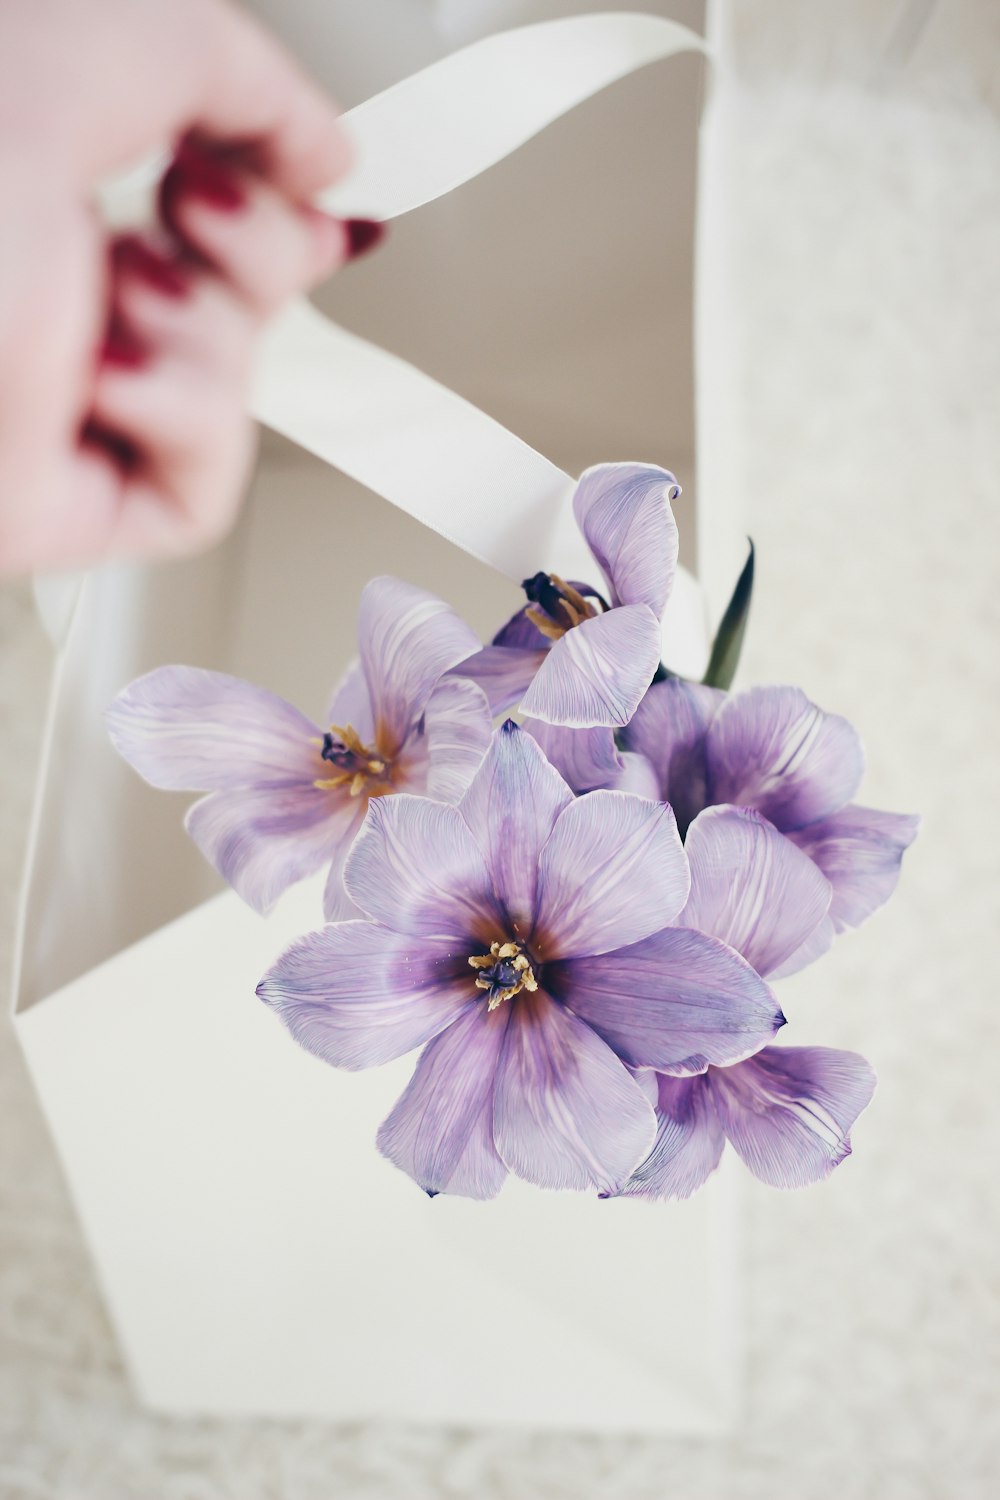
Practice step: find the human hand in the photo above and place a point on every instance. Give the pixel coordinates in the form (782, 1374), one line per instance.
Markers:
(124, 363)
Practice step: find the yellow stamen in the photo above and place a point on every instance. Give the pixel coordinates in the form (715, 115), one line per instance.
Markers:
(503, 953)
(581, 605)
(331, 781)
(541, 621)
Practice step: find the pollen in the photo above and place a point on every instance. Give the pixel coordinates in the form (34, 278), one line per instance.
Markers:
(504, 972)
(359, 768)
(556, 606)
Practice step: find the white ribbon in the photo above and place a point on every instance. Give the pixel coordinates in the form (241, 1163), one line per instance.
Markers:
(372, 415)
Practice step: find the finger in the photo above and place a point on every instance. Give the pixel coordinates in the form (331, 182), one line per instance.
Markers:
(267, 247)
(169, 306)
(182, 442)
(201, 65)
(257, 94)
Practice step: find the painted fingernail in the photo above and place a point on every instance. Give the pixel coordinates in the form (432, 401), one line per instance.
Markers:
(119, 449)
(133, 257)
(196, 174)
(363, 235)
(121, 348)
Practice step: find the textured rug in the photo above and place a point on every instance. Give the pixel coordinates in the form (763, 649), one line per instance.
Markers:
(869, 348)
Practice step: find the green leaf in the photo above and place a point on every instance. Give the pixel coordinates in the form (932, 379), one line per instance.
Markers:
(728, 641)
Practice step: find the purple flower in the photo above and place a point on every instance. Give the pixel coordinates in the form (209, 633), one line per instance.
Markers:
(285, 796)
(771, 749)
(519, 935)
(787, 1111)
(571, 655)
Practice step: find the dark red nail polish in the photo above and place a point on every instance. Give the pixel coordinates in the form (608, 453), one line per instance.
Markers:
(119, 449)
(133, 257)
(363, 235)
(196, 174)
(121, 348)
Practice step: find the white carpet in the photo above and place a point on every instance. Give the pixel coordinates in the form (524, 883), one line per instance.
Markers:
(870, 348)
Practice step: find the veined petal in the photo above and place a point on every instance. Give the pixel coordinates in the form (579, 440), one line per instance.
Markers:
(598, 671)
(186, 729)
(637, 776)
(612, 872)
(350, 704)
(751, 887)
(408, 639)
(859, 851)
(585, 758)
(458, 727)
(677, 1001)
(772, 749)
(511, 808)
(689, 1141)
(357, 995)
(337, 904)
(624, 512)
(788, 1110)
(521, 633)
(441, 1130)
(416, 868)
(567, 1114)
(264, 839)
(503, 673)
(669, 729)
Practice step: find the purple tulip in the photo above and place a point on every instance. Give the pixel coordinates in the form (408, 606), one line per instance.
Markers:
(771, 749)
(285, 796)
(519, 938)
(572, 655)
(787, 1111)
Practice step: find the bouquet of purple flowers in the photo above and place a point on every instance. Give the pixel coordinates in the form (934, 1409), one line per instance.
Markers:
(577, 917)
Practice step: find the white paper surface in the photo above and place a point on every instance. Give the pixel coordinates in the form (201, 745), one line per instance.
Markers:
(259, 1256)
(439, 128)
(256, 1253)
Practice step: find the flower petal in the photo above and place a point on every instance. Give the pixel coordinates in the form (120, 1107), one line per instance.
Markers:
(408, 639)
(416, 868)
(859, 851)
(511, 808)
(358, 995)
(598, 671)
(503, 674)
(441, 1130)
(458, 727)
(624, 512)
(669, 729)
(585, 758)
(186, 729)
(521, 633)
(770, 748)
(350, 704)
(689, 1141)
(264, 839)
(638, 776)
(567, 1113)
(677, 1001)
(337, 904)
(612, 872)
(788, 1110)
(751, 887)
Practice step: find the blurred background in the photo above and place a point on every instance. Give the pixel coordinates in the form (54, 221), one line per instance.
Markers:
(863, 352)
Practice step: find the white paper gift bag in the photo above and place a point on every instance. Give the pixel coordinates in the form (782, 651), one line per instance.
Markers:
(256, 1253)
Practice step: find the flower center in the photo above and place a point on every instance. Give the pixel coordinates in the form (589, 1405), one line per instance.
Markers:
(504, 972)
(556, 606)
(357, 766)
